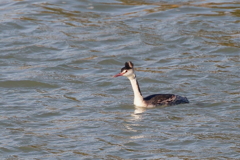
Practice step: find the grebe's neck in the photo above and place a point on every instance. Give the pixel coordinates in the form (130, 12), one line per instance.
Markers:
(138, 99)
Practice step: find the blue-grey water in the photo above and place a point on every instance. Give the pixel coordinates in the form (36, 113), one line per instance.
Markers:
(59, 100)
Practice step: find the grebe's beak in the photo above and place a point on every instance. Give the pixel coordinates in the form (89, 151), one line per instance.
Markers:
(119, 74)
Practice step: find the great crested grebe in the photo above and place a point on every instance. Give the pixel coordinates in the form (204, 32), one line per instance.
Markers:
(152, 100)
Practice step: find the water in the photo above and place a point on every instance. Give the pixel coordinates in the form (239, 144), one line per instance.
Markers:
(59, 101)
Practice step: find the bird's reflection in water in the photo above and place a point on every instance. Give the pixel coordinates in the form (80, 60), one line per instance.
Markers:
(138, 113)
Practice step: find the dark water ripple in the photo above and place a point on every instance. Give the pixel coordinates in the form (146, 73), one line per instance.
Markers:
(58, 100)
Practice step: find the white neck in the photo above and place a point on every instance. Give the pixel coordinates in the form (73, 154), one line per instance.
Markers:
(138, 99)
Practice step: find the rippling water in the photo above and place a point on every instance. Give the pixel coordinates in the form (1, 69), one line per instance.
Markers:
(59, 101)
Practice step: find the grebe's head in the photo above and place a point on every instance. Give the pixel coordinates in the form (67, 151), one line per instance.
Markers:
(126, 71)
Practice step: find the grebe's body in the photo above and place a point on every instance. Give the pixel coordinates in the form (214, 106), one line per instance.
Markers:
(152, 100)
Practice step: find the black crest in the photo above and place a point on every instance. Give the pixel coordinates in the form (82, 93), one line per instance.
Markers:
(128, 65)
